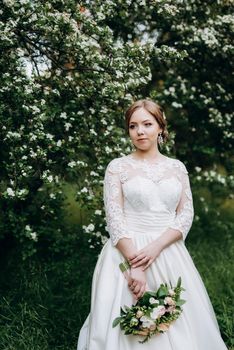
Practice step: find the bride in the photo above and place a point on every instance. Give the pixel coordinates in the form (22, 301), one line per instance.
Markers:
(149, 212)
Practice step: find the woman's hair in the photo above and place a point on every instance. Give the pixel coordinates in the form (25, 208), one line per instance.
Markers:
(154, 109)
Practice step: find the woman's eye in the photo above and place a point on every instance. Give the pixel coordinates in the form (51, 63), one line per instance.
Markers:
(131, 126)
(148, 124)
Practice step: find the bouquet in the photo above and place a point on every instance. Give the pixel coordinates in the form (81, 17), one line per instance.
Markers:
(153, 313)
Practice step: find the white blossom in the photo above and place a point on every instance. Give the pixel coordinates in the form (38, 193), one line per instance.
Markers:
(63, 115)
(50, 178)
(72, 164)
(84, 190)
(98, 212)
(10, 192)
(89, 228)
(49, 136)
(176, 105)
(33, 236)
(67, 126)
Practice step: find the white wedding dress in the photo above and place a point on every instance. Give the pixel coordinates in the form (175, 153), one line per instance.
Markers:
(142, 200)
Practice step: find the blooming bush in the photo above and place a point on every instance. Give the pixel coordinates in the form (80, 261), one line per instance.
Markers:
(68, 72)
(65, 82)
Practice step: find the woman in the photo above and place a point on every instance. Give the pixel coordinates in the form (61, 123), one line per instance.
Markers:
(149, 212)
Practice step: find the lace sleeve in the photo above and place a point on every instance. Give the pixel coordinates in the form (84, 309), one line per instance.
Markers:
(113, 203)
(184, 211)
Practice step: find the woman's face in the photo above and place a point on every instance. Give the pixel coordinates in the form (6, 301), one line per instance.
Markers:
(143, 129)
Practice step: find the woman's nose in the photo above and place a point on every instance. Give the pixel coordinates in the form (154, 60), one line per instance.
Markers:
(140, 131)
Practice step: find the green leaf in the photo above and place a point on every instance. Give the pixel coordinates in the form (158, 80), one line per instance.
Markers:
(122, 312)
(126, 308)
(116, 321)
(144, 300)
(150, 294)
(162, 291)
(180, 302)
(178, 283)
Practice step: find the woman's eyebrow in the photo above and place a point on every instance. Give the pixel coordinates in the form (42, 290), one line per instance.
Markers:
(147, 120)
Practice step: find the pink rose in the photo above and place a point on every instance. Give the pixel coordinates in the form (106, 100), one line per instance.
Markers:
(169, 301)
(171, 309)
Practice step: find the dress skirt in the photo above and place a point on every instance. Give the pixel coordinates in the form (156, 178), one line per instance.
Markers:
(195, 329)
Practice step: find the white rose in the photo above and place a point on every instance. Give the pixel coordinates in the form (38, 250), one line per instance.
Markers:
(157, 312)
(153, 301)
(146, 322)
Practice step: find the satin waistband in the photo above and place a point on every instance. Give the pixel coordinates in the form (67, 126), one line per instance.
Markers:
(148, 223)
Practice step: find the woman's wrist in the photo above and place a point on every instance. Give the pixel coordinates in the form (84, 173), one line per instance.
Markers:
(136, 268)
(160, 243)
(126, 248)
(167, 238)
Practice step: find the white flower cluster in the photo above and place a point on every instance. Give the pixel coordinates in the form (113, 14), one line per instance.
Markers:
(223, 120)
(77, 163)
(47, 176)
(214, 176)
(12, 135)
(88, 229)
(168, 9)
(30, 233)
(20, 193)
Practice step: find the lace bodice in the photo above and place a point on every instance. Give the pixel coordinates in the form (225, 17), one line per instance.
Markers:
(152, 191)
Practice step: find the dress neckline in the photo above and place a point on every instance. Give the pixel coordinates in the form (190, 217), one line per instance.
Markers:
(146, 161)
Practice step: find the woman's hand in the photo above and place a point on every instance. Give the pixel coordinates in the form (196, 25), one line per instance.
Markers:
(146, 256)
(137, 282)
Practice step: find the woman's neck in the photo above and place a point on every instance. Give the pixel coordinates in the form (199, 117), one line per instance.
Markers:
(153, 154)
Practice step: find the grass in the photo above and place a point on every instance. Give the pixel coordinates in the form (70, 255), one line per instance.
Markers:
(44, 301)
(214, 260)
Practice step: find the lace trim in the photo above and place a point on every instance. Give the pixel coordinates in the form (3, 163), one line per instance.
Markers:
(154, 171)
(116, 225)
(184, 217)
(183, 220)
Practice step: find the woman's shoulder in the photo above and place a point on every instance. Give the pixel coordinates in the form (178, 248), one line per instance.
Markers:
(116, 164)
(175, 162)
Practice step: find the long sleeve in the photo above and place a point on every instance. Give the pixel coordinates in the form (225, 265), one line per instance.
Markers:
(184, 211)
(113, 203)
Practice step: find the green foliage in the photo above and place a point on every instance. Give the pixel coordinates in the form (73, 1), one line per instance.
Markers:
(45, 299)
(80, 82)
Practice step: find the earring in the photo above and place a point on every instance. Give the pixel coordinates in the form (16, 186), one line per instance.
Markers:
(160, 139)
